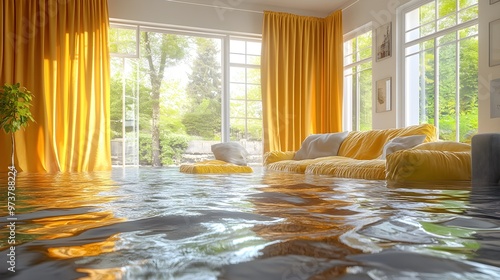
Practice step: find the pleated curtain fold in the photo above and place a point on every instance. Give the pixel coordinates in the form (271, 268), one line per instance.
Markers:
(302, 74)
(59, 51)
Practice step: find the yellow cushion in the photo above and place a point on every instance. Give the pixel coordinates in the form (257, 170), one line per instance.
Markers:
(294, 166)
(370, 144)
(445, 146)
(343, 167)
(214, 166)
(429, 165)
(275, 156)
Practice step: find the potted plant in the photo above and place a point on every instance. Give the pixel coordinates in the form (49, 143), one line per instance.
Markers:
(15, 103)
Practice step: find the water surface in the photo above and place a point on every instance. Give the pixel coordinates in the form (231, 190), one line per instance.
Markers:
(158, 223)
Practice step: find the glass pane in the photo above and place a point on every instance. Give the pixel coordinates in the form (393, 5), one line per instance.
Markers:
(412, 35)
(237, 74)
(412, 49)
(237, 91)
(412, 88)
(237, 109)
(253, 75)
(349, 59)
(468, 14)
(237, 58)
(428, 13)
(450, 37)
(254, 48)
(116, 97)
(429, 44)
(253, 59)
(447, 92)
(427, 79)
(349, 47)
(467, 3)
(468, 115)
(469, 31)
(254, 128)
(428, 29)
(351, 86)
(123, 41)
(365, 53)
(447, 22)
(446, 7)
(412, 20)
(365, 41)
(237, 130)
(254, 92)
(237, 46)
(254, 109)
(365, 100)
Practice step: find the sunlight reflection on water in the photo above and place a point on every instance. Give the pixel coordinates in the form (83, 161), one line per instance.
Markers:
(158, 223)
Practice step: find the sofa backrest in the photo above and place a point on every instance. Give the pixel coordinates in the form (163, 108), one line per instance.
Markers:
(370, 144)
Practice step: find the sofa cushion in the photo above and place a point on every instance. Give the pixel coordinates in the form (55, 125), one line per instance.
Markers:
(434, 165)
(401, 143)
(320, 145)
(343, 167)
(275, 156)
(370, 144)
(450, 146)
(295, 166)
(231, 152)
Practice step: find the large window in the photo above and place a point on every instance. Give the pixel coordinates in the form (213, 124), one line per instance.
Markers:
(245, 94)
(441, 66)
(168, 104)
(358, 81)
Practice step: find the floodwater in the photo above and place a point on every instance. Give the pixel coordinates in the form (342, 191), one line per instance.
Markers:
(158, 223)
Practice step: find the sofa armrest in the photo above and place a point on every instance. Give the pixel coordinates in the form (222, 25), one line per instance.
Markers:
(275, 156)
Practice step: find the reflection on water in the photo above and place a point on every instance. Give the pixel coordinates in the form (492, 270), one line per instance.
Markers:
(158, 223)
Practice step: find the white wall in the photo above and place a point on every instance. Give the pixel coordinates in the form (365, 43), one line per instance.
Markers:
(232, 16)
(486, 73)
(243, 21)
(382, 11)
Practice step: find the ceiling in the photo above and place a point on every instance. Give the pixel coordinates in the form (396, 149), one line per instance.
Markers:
(316, 6)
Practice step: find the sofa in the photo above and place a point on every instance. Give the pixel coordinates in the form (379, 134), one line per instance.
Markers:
(365, 155)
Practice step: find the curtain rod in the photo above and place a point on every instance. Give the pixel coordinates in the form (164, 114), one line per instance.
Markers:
(236, 9)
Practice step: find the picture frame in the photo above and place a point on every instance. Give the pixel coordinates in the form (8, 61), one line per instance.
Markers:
(494, 1)
(383, 36)
(494, 46)
(383, 98)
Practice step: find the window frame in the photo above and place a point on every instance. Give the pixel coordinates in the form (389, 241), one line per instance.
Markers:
(404, 117)
(349, 107)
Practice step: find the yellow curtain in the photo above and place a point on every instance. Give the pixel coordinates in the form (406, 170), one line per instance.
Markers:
(301, 78)
(59, 51)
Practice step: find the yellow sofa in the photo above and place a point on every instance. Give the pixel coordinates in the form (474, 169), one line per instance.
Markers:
(359, 157)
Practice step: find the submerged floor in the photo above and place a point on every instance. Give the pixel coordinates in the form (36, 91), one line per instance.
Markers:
(157, 223)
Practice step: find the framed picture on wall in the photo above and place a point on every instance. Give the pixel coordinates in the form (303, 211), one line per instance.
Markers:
(495, 42)
(383, 95)
(494, 1)
(383, 36)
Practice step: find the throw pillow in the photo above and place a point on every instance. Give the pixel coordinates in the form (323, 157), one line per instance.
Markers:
(231, 152)
(320, 145)
(401, 143)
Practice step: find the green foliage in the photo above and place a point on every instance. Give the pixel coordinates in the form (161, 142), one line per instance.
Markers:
(204, 120)
(145, 152)
(15, 103)
(172, 147)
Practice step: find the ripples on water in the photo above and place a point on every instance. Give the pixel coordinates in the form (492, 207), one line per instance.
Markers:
(156, 223)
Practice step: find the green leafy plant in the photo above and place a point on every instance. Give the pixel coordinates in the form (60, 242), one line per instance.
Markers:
(15, 103)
